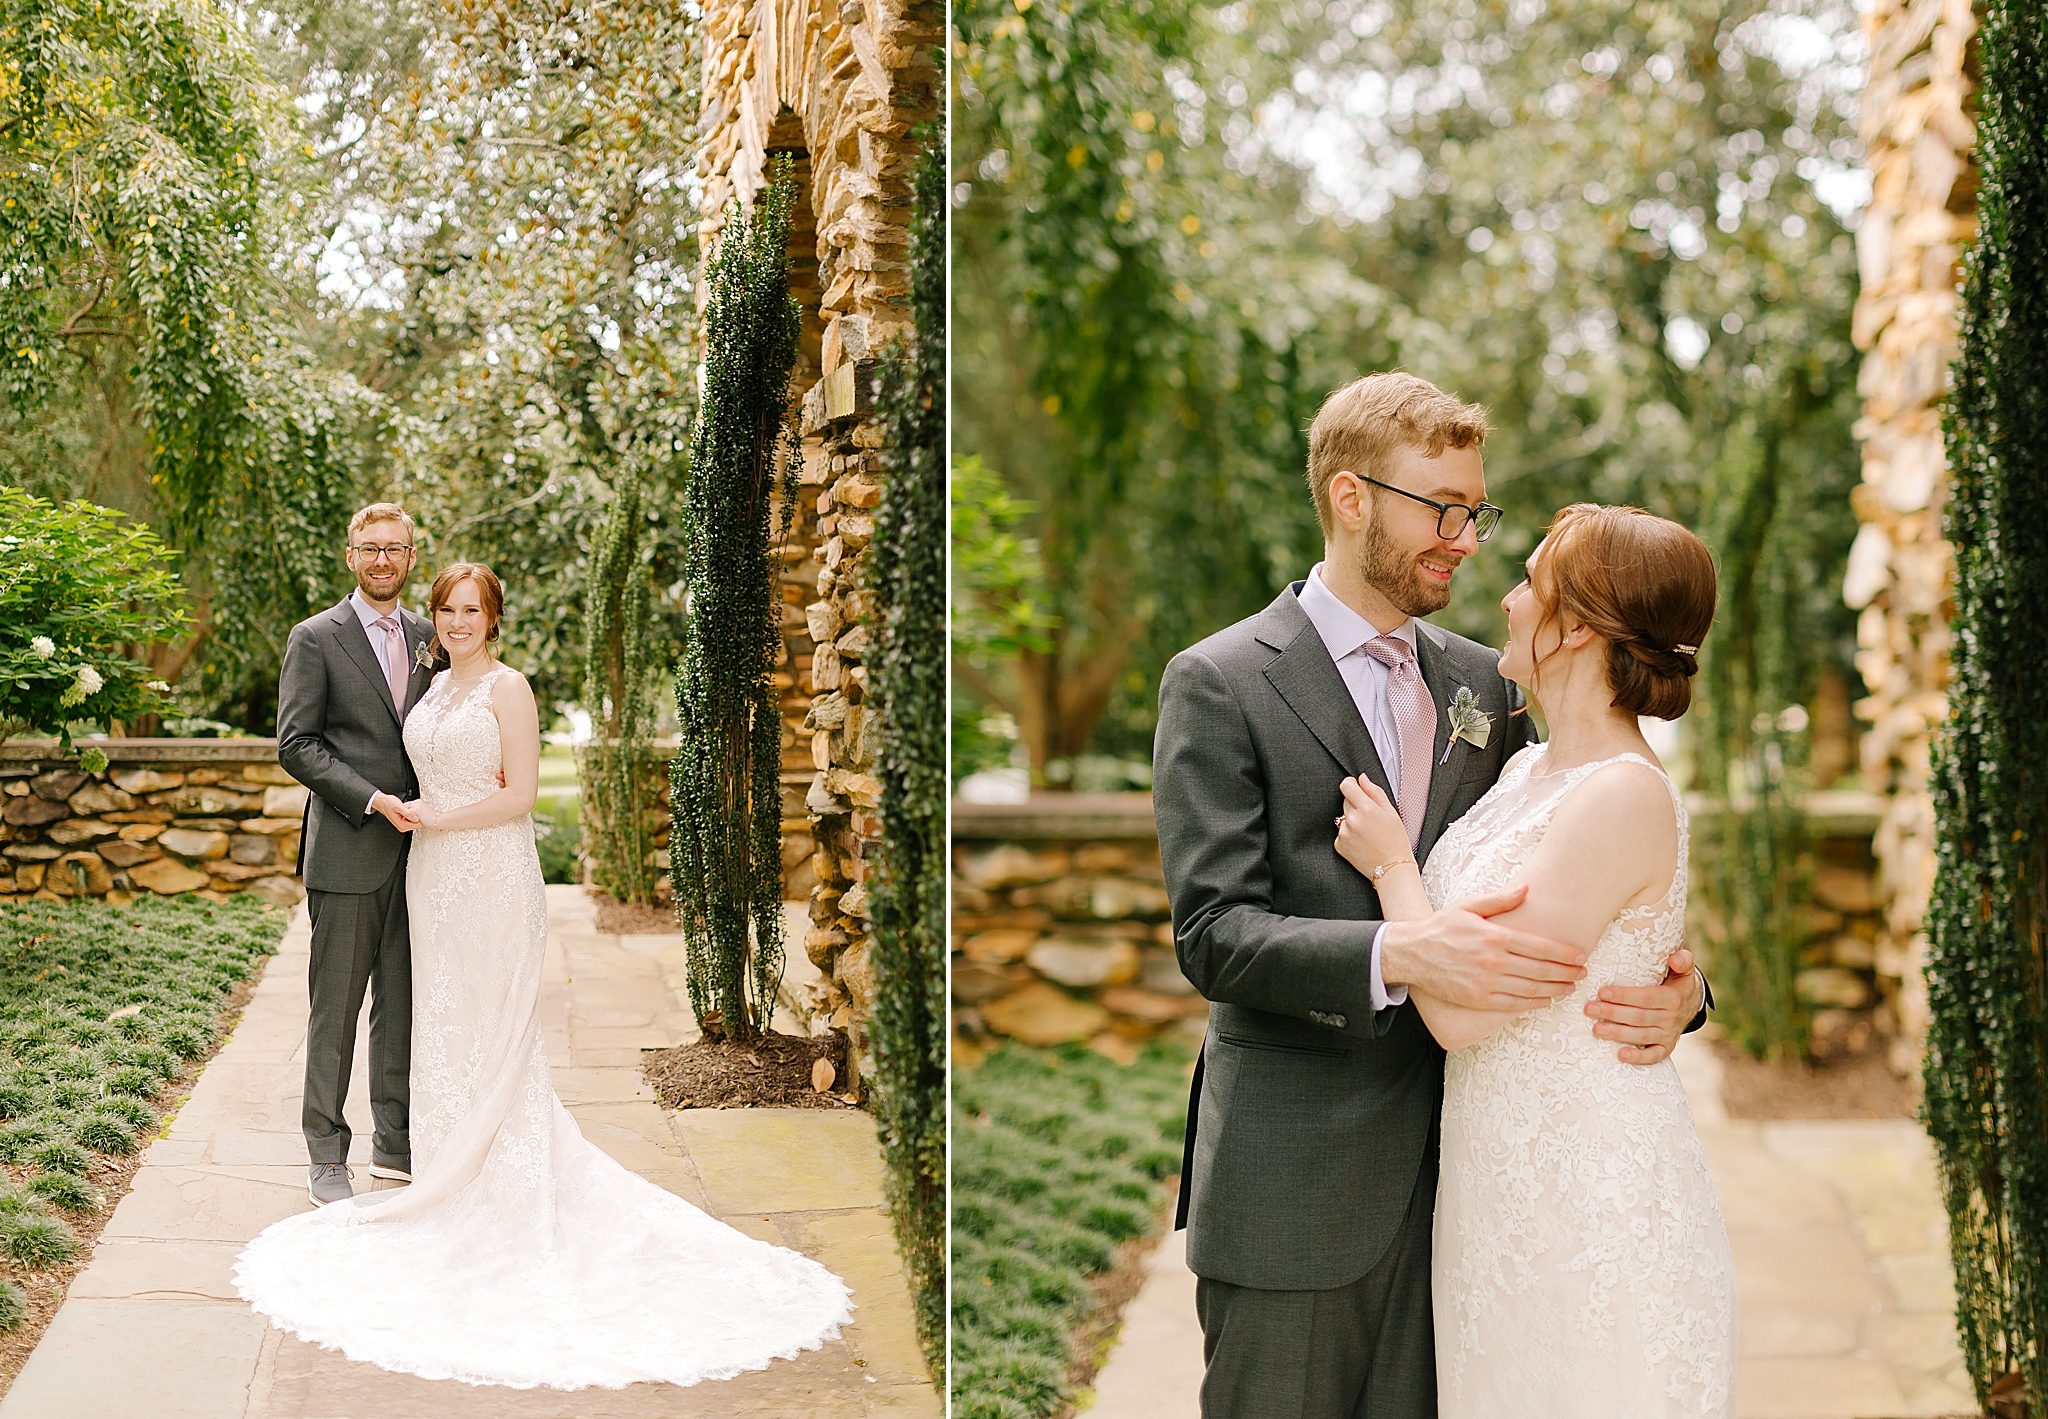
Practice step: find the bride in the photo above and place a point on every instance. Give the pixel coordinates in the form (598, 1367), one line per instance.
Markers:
(520, 1254)
(1580, 1264)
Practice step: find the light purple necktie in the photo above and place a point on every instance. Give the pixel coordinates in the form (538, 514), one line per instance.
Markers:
(395, 670)
(1414, 725)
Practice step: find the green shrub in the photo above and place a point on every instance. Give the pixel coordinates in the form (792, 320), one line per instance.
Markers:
(17, 1099)
(559, 840)
(15, 1203)
(13, 1306)
(104, 1133)
(1058, 1157)
(17, 1139)
(141, 1083)
(66, 1096)
(61, 1155)
(63, 1190)
(36, 1241)
(140, 1116)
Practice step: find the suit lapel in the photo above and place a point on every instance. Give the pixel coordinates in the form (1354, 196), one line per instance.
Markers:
(419, 679)
(1307, 679)
(356, 641)
(1441, 678)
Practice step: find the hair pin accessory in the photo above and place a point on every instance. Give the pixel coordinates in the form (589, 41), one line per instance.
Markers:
(1687, 649)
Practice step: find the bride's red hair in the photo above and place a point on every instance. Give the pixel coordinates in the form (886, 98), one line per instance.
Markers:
(1644, 583)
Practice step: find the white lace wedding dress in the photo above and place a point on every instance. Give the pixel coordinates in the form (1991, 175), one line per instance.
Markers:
(520, 1254)
(1580, 1264)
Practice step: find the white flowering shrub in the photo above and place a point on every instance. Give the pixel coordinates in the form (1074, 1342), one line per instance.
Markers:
(82, 589)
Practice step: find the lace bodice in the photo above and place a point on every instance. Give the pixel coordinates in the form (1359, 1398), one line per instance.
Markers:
(452, 738)
(1580, 1264)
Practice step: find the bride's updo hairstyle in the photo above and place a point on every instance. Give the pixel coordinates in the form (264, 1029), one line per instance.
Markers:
(1642, 582)
(489, 594)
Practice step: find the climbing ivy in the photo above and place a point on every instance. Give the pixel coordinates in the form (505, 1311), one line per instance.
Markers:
(1987, 1041)
(618, 685)
(907, 892)
(725, 795)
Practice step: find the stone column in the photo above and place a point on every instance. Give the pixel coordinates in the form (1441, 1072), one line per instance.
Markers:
(1918, 128)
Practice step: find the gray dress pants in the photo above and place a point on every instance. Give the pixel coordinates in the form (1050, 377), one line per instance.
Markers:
(1362, 1351)
(360, 941)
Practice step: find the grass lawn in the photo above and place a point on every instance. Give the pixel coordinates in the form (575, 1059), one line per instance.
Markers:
(102, 1010)
(1059, 1158)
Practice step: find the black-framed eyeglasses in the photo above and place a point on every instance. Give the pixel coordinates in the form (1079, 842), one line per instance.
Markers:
(397, 550)
(1451, 517)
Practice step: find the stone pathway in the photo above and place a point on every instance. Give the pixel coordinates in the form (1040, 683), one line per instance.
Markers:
(1841, 1262)
(153, 1326)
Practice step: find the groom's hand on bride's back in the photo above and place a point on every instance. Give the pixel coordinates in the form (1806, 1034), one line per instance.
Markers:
(1463, 957)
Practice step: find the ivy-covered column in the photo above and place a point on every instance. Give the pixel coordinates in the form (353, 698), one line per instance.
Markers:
(908, 887)
(618, 684)
(1986, 1069)
(725, 788)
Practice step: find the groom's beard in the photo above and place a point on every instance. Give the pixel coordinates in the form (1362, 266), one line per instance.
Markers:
(1393, 573)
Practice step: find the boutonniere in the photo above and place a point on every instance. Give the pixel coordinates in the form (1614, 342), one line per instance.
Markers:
(423, 655)
(1468, 722)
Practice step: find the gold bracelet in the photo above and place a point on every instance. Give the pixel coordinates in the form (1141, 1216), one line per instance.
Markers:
(1381, 870)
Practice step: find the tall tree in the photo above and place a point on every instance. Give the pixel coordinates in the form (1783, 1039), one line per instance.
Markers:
(1987, 969)
(149, 353)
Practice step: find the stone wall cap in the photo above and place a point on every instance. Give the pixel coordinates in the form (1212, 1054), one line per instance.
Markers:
(1057, 817)
(146, 751)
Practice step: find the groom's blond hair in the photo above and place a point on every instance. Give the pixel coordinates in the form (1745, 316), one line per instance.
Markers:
(1361, 424)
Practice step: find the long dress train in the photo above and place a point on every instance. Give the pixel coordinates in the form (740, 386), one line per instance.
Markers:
(520, 1254)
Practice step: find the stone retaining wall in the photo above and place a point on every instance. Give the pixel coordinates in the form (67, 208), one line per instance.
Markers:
(165, 815)
(1061, 929)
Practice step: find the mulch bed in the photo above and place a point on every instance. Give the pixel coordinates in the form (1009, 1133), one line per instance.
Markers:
(771, 1072)
(617, 918)
(113, 1177)
(1857, 1084)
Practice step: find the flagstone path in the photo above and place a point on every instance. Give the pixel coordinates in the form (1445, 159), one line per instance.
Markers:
(1841, 1264)
(153, 1327)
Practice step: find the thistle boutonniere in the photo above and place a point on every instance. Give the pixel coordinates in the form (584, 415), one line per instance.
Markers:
(423, 655)
(1468, 722)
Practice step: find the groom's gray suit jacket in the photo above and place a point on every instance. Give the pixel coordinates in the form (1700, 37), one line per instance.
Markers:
(338, 733)
(1312, 1120)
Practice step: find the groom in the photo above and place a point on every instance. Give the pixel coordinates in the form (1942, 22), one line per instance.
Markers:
(350, 674)
(1311, 1168)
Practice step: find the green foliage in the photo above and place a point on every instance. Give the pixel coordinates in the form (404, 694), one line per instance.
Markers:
(1600, 221)
(516, 182)
(725, 796)
(79, 1080)
(13, 1306)
(999, 607)
(619, 676)
(147, 358)
(559, 839)
(79, 587)
(36, 1242)
(1987, 921)
(1058, 1157)
(73, 1194)
(907, 891)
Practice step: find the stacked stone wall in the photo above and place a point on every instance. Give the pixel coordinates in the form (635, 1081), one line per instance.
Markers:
(1918, 130)
(839, 87)
(1061, 929)
(165, 816)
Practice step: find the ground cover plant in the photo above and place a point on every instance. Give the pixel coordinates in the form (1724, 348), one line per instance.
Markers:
(1059, 1158)
(100, 1008)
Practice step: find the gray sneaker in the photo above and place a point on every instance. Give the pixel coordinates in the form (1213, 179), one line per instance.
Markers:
(328, 1182)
